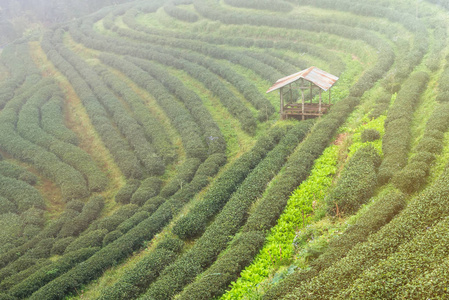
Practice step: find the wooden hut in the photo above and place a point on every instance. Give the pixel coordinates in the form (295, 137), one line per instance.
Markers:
(305, 80)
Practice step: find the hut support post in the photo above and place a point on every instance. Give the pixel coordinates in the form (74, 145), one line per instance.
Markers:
(319, 107)
(282, 104)
(291, 93)
(311, 95)
(302, 96)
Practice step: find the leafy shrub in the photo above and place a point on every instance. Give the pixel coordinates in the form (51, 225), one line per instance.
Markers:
(7, 206)
(370, 135)
(61, 244)
(195, 222)
(277, 5)
(149, 188)
(47, 273)
(111, 236)
(136, 280)
(384, 209)
(357, 182)
(181, 14)
(76, 205)
(110, 223)
(396, 141)
(90, 239)
(124, 195)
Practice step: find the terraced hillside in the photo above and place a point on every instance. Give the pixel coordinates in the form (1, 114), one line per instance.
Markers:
(140, 157)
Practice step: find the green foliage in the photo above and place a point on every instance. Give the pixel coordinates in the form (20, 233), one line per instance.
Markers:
(384, 209)
(396, 141)
(413, 176)
(14, 171)
(356, 184)
(124, 195)
(135, 281)
(49, 272)
(180, 14)
(370, 135)
(21, 194)
(148, 188)
(195, 222)
(279, 246)
(277, 5)
(91, 211)
(141, 228)
(90, 239)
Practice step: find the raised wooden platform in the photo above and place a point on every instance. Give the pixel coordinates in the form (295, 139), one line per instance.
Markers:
(311, 110)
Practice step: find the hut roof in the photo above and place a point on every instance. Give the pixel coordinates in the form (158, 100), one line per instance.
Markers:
(317, 76)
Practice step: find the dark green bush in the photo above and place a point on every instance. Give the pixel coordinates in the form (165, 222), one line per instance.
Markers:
(111, 236)
(136, 280)
(357, 182)
(61, 244)
(195, 222)
(396, 141)
(370, 135)
(49, 272)
(148, 188)
(430, 144)
(90, 239)
(384, 209)
(124, 195)
(179, 13)
(7, 206)
(76, 205)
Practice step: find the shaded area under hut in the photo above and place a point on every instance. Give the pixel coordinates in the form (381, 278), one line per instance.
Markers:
(305, 81)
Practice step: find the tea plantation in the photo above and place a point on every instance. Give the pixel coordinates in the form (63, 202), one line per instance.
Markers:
(141, 157)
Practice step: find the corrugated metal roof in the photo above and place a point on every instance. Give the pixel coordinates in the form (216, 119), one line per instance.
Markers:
(317, 76)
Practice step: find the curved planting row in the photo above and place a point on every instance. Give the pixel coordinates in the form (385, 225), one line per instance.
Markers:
(119, 148)
(28, 126)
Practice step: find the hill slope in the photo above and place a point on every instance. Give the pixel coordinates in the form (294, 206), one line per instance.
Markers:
(141, 157)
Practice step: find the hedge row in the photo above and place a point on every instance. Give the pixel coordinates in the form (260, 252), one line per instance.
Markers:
(17, 172)
(52, 120)
(90, 212)
(178, 114)
(17, 59)
(148, 188)
(193, 102)
(12, 280)
(265, 158)
(356, 184)
(413, 176)
(133, 239)
(191, 41)
(128, 126)
(405, 63)
(276, 5)
(424, 252)
(152, 127)
(228, 221)
(118, 146)
(384, 209)
(396, 141)
(229, 100)
(70, 181)
(158, 44)
(269, 208)
(49, 272)
(268, 211)
(21, 194)
(180, 13)
(28, 126)
(136, 280)
(422, 212)
(125, 193)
